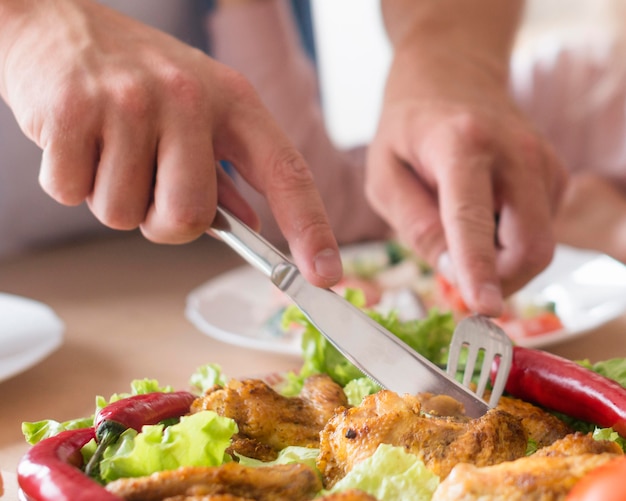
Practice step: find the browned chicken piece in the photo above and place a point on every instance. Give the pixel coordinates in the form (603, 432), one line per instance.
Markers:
(542, 427)
(350, 495)
(268, 421)
(218, 497)
(531, 478)
(296, 482)
(353, 435)
(579, 443)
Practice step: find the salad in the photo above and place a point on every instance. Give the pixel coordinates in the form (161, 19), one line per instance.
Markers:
(150, 430)
(393, 278)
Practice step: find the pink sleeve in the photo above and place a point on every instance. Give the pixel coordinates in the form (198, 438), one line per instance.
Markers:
(260, 41)
(574, 89)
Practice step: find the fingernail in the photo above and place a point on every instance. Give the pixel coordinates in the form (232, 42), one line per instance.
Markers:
(328, 264)
(490, 299)
(445, 267)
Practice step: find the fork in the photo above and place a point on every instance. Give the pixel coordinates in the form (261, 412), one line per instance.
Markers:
(477, 334)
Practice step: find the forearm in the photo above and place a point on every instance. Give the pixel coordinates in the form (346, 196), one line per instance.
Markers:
(261, 41)
(477, 26)
(13, 17)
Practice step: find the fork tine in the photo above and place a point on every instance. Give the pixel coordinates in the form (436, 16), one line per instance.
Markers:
(503, 373)
(470, 363)
(454, 352)
(485, 372)
(478, 334)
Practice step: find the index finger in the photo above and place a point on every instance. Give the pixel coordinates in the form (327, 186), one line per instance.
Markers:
(266, 159)
(467, 211)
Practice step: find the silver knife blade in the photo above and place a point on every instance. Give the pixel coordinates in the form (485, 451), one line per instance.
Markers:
(375, 351)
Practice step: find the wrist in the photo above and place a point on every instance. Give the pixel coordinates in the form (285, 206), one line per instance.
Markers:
(481, 27)
(431, 72)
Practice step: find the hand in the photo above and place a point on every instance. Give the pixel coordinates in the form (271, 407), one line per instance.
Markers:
(592, 215)
(132, 121)
(452, 155)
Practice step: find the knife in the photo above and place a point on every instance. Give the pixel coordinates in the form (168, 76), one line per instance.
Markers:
(375, 351)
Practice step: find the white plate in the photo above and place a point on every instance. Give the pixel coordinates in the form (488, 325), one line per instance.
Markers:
(242, 307)
(29, 332)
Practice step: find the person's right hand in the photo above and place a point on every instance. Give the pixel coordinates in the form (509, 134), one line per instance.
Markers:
(133, 122)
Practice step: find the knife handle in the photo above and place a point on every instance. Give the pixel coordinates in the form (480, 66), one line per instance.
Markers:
(253, 248)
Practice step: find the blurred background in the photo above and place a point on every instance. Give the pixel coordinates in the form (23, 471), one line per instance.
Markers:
(353, 52)
(352, 56)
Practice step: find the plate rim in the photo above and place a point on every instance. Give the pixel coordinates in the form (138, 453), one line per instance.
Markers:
(54, 330)
(616, 307)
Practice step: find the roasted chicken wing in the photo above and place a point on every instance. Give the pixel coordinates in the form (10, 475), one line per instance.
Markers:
(543, 428)
(579, 443)
(351, 495)
(541, 478)
(268, 421)
(353, 435)
(295, 482)
(547, 475)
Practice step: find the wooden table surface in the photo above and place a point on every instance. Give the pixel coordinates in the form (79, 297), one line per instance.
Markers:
(122, 300)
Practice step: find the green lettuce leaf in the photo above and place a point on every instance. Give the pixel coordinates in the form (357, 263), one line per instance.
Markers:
(609, 434)
(357, 389)
(207, 376)
(614, 368)
(199, 439)
(290, 454)
(429, 336)
(391, 474)
(37, 431)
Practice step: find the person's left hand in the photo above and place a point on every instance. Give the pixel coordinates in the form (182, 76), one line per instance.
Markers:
(457, 171)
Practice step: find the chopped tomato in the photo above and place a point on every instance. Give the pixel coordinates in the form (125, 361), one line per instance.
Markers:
(605, 483)
(450, 295)
(533, 326)
(543, 323)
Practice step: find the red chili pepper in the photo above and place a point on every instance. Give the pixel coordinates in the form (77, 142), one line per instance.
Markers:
(138, 410)
(564, 386)
(50, 470)
(134, 412)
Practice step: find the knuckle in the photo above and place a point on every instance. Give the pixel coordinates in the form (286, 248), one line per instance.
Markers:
(64, 193)
(185, 88)
(532, 152)
(117, 217)
(424, 236)
(63, 189)
(188, 221)
(314, 224)
(131, 97)
(289, 172)
(237, 85)
(472, 129)
(537, 254)
(475, 218)
(66, 110)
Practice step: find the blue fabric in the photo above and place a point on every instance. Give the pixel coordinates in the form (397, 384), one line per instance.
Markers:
(304, 20)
